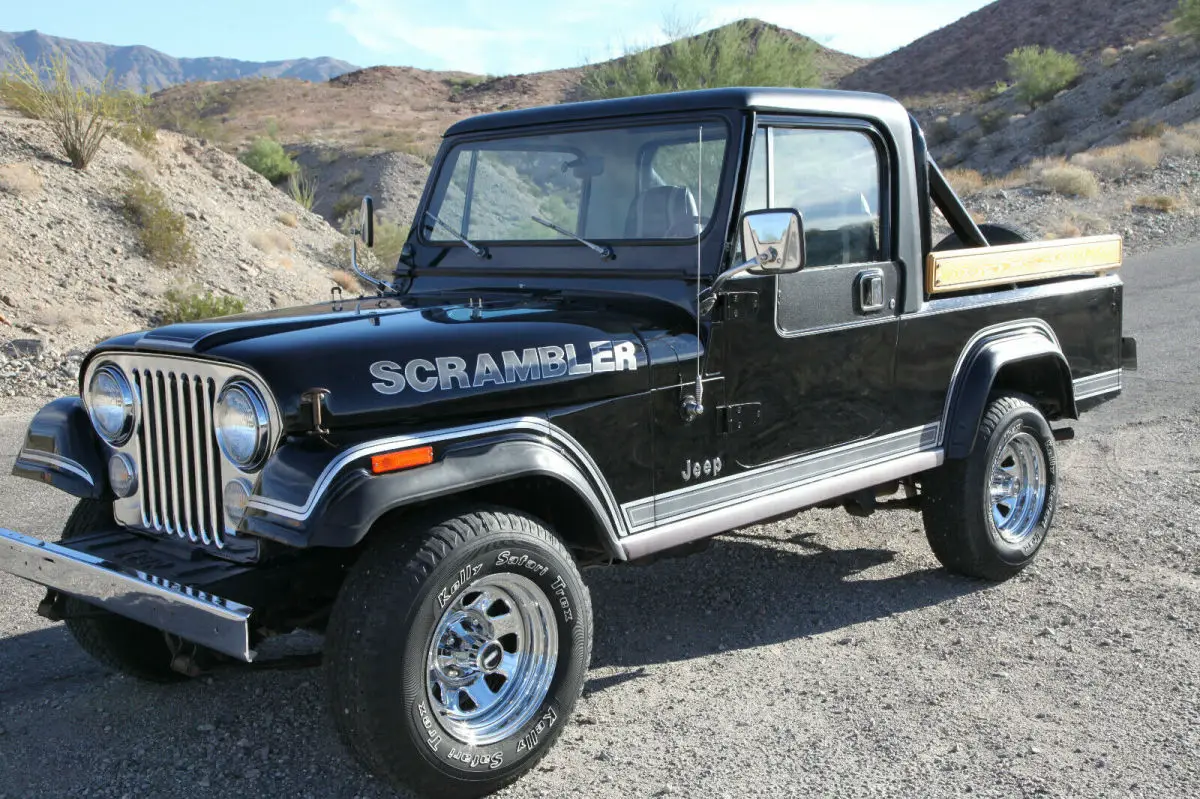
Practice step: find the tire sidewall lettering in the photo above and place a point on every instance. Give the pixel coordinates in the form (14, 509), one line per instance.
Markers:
(561, 588)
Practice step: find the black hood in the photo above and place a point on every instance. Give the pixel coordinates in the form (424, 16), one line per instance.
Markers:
(409, 360)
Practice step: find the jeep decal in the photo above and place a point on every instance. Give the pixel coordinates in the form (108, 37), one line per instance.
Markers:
(528, 365)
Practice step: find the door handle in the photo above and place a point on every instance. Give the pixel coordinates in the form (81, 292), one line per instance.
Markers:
(870, 291)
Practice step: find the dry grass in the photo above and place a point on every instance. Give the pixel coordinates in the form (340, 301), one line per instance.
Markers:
(20, 180)
(1076, 224)
(1067, 179)
(270, 241)
(1137, 157)
(1157, 203)
(1183, 142)
(966, 181)
(287, 220)
(347, 281)
(162, 231)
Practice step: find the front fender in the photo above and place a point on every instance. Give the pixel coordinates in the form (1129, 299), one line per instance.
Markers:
(1030, 343)
(357, 499)
(61, 450)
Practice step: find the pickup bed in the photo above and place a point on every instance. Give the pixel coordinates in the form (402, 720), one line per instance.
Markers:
(617, 329)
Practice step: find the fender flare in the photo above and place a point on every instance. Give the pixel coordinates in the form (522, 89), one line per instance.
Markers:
(359, 499)
(62, 449)
(990, 351)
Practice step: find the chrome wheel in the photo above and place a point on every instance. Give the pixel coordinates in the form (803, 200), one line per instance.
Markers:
(491, 658)
(1017, 488)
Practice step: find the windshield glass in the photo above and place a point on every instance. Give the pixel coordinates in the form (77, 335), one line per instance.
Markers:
(634, 182)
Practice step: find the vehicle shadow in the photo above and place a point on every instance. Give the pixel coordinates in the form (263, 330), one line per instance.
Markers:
(746, 591)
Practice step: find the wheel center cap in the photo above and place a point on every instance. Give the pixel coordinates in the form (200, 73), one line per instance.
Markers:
(490, 657)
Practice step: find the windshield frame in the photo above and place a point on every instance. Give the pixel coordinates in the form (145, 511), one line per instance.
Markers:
(645, 255)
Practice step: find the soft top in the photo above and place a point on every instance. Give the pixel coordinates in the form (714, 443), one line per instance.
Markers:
(814, 101)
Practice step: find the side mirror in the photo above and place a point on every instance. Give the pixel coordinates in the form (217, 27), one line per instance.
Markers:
(774, 238)
(366, 222)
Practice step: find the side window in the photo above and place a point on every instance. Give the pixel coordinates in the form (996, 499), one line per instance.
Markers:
(832, 178)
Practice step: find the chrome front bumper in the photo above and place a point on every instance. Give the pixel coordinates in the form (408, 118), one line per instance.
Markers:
(198, 616)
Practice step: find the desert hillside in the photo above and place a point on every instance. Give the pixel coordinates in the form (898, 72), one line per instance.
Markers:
(74, 270)
(969, 54)
(141, 68)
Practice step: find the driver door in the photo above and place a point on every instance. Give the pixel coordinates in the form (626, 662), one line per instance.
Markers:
(812, 368)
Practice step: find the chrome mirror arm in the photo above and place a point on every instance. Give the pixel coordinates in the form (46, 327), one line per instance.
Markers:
(374, 281)
(708, 297)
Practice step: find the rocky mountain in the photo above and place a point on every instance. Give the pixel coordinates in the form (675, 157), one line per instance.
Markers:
(969, 53)
(141, 68)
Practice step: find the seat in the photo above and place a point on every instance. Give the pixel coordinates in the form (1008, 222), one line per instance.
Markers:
(662, 212)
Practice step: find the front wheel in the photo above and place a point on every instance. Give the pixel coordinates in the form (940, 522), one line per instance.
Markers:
(456, 651)
(989, 514)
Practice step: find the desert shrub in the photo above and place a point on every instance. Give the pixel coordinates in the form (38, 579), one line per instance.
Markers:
(1158, 203)
(1069, 180)
(1184, 142)
(1055, 122)
(162, 232)
(287, 220)
(1109, 57)
(1040, 73)
(192, 306)
(965, 181)
(343, 206)
(1144, 129)
(740, 54)
(1187, 18)
(939, 132)
(1076, 224)
(268, 158)
(270, 241)
(80, 117)
(1178, 89)
(1137, 157)
(992, 121)
(350, 178)
(382, 258)
(20, 180)
(347, 281)
(302, 189)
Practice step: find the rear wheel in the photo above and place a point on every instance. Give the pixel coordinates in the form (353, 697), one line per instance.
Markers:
(456, 651)
(988, 514)
(118, 643)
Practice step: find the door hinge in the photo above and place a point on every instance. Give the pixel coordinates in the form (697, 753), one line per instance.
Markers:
(741, 417)
(739, 305)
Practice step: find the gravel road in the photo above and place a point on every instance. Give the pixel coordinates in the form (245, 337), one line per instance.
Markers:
(822, 655)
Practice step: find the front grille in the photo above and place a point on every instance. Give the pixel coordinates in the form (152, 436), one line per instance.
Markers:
(176, 443)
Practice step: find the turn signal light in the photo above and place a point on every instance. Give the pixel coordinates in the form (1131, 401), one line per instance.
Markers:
(404, 459)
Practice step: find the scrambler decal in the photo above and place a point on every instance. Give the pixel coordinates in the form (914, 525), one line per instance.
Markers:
(528, 365)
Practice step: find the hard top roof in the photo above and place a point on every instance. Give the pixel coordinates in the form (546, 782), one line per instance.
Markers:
(811, 101)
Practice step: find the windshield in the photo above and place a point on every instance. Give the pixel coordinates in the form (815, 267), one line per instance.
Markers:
(628, 183)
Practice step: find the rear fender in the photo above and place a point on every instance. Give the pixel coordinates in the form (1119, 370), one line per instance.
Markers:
(61, 450)
(1022, 357)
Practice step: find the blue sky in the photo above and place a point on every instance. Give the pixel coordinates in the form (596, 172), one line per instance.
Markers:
(482, 36)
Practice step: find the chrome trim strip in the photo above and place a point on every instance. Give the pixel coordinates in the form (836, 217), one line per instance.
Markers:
(713, 495)
(771, 504)
(973, 349)
(56, 461)
(190, 613)
(1095, 385)
(528, 423)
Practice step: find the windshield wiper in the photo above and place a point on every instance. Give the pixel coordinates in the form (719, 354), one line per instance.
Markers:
(480, 252)
(605, 252)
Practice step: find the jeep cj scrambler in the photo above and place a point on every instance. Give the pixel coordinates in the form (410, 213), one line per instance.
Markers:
(618, 328)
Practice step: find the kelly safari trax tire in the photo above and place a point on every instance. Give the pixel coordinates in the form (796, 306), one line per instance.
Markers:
(117, 643)
(457, 649)
(989, 514)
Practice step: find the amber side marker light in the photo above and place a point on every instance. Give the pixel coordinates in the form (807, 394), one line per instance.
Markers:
(404, 459)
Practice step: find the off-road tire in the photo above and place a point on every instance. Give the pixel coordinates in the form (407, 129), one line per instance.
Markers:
(956, 501)
(376, 670)
(117, 643)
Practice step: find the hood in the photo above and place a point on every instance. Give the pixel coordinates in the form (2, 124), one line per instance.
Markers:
(405, 360)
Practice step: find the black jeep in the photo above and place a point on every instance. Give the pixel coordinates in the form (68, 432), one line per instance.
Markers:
(617, 329)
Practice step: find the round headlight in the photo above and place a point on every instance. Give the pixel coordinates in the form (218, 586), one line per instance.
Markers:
(110, 404)
(242, 425)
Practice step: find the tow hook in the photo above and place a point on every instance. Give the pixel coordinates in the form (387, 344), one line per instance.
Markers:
(1064, 433)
